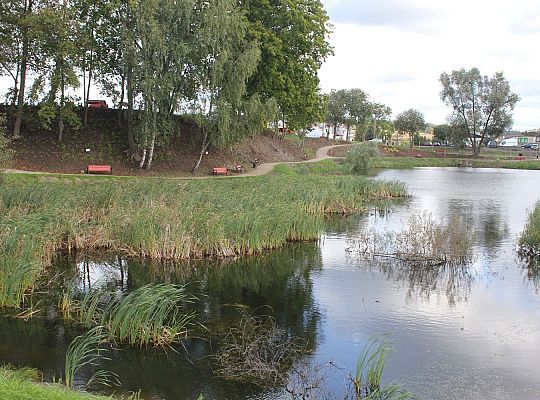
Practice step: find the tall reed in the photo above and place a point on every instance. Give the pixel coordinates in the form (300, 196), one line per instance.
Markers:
(164, 218)
(84, 350)
(150, 315)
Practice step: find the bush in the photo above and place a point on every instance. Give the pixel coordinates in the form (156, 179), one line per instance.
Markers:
(358, 157)
(5, 151)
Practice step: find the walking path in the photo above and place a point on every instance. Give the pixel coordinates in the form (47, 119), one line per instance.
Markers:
(262, 169)
(322, 154)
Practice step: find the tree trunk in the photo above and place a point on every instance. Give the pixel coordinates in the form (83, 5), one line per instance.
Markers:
(347, 137)
(88, 89)
(204, 147)
(132, 147)
(143, 158)
(411, 140)
(24, 67)
(119, 122)
(151, 152)
(16, 86)
(61, 111)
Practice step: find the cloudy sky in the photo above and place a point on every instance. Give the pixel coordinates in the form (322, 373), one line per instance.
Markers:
(396, 50)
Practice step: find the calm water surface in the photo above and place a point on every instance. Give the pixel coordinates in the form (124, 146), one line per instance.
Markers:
(458, 333)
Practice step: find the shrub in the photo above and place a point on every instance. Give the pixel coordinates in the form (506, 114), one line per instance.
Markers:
(358, 157)
(5, 152)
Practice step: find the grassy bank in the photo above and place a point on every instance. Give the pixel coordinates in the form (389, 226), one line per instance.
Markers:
(164, 219)
(332, 167)
(24, 384)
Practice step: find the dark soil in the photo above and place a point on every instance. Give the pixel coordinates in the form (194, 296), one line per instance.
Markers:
(103, 142)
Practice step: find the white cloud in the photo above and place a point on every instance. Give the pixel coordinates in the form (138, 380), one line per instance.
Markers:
(398, 60)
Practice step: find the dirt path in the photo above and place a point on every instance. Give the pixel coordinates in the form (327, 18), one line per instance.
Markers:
(322, 154)
(262, 169)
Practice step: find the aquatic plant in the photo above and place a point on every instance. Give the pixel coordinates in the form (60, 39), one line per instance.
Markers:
(257, 351)
(369, 370)
(529, 240)
(422, 242)
(149, 315)
(83, 351)
(163, 218)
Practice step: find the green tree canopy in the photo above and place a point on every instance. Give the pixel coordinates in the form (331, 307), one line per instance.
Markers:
(482, 105)
(292, 35)
(410, 122)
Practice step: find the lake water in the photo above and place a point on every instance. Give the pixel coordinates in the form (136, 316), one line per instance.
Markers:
(457, 333)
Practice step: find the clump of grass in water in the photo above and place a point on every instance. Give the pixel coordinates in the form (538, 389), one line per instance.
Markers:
(529, 240)
(150, 315)
(369, 370)
(83, 351)
(422, 241)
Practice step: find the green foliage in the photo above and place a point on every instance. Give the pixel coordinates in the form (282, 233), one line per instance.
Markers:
(293, 38)
(530, 237)
(164, 219)
(369, 369)
(482, 105)
(48, 114)
(5, 151)
(149, 315)
(410, 122)
(83, 351)
(359, 156)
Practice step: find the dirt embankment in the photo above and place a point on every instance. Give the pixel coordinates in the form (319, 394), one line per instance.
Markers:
(104, 142)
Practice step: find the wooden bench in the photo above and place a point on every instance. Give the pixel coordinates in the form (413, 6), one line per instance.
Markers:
(221, 171)
(99, 169)
(441, 151)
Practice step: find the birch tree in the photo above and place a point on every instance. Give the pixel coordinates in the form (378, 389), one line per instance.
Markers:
(164, 40)
(226, 60)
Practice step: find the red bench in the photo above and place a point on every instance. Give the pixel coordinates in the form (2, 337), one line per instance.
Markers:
(99, 169)
(221, 171)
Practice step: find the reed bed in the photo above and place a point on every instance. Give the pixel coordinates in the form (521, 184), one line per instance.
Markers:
(164, 219)
(529, 240)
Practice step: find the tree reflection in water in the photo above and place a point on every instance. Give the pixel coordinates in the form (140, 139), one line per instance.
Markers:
(454, 280)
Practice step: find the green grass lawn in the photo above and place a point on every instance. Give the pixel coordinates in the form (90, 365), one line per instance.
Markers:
(25, 384)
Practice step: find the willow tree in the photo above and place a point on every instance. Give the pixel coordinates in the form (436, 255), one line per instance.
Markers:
(226, 59)
(480, 104)
(163, 35)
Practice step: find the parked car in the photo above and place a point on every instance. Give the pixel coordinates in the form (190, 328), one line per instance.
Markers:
(532, 146)
(492, 144)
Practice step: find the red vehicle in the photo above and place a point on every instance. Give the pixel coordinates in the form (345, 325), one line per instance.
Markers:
(97, 104)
